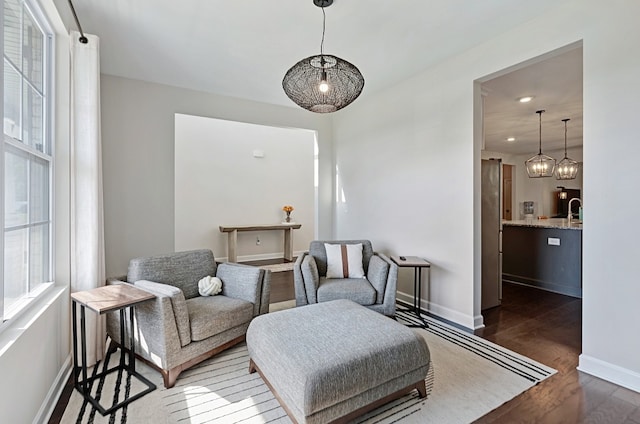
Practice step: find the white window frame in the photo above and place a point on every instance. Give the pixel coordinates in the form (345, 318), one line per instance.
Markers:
(48, 155)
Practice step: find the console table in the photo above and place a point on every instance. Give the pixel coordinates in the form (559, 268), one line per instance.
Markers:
(102, 300)
(232, 250)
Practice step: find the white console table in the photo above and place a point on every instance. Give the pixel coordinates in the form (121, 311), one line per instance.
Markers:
(232, 250)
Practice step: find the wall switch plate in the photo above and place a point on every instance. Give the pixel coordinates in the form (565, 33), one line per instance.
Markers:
(553, 241)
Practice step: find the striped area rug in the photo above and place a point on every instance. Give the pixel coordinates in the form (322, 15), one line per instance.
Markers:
(468, 378)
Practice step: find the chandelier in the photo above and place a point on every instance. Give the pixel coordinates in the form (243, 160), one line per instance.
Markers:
(540, 165)
(567, 169)
(323, 83)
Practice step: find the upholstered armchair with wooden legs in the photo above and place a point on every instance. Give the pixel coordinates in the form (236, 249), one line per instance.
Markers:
(346, 269)
(180, 328)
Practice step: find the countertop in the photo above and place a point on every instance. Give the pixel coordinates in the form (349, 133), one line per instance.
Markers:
(561, 223)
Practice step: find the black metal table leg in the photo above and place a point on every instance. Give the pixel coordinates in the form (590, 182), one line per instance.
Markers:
(84, 386)
(417, 295)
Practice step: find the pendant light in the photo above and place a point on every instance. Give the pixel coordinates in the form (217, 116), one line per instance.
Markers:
(567, 169)
(540, 165)
(323, 83)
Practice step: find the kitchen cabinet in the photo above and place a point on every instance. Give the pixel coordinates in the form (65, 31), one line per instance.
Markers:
(546, 255)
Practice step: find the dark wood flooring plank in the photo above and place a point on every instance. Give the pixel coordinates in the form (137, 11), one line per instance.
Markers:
(547, 327)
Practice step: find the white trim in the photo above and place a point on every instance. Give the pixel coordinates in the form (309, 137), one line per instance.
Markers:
(610, 372)
(51, 400)
(465, 321)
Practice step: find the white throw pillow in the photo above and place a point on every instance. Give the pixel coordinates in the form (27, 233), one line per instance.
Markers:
(209, 286)
(344, 260)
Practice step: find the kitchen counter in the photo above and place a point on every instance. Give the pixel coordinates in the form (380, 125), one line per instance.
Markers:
(543, 253)
(562, 223)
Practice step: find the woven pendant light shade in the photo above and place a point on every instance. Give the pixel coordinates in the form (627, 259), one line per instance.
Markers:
(567, 169)
(540, 165)
(344, 83)
(323, 83)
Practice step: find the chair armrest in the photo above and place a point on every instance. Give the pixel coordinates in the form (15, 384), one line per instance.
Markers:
(246, 282)
(306, 279)
(177, 303)
(157, 342)
(383, 276)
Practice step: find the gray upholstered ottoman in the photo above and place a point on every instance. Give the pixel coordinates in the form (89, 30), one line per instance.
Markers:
(333, 361)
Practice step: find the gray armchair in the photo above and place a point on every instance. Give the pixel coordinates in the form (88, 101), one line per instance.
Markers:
(377, 291)
(180, 328)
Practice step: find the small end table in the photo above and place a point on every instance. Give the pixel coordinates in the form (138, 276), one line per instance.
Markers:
(101, 300)
(417, 264)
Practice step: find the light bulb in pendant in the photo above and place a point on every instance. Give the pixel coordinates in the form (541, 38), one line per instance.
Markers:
(324, 85)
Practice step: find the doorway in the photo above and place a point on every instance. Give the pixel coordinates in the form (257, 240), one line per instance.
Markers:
(511, 130)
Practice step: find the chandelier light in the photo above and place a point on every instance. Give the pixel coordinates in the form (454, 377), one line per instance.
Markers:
(540, 165)
(323, 83)
(567, 169)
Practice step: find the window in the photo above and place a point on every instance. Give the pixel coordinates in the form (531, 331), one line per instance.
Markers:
(27, 161)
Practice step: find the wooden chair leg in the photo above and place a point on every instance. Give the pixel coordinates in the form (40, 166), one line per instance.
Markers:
(422, 389)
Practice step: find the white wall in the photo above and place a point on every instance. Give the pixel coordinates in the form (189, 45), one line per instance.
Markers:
(411, 176)
(219, 181)
(35, 347)
(138, 160)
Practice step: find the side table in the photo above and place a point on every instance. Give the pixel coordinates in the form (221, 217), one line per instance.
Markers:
(101, 300)
(417, 264)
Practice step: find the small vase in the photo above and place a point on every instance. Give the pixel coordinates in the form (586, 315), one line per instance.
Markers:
(288, 218)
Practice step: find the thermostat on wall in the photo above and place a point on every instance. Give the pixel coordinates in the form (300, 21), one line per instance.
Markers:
(258, 154)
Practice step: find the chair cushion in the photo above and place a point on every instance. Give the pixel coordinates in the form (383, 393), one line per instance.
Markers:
(358, 290)
(181, 269)
(212, 315)
(344, 260)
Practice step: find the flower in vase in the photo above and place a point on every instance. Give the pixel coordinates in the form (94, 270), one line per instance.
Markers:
(287, 209)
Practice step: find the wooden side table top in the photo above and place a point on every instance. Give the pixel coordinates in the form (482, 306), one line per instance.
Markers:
(111, 298)
(411, 261)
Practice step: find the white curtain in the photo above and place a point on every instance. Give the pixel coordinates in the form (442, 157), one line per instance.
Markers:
(87, 223)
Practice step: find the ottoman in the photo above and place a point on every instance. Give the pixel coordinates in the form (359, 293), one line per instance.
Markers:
(334, 361)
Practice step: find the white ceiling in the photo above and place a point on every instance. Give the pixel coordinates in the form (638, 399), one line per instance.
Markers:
(242, 48)
(556, 86)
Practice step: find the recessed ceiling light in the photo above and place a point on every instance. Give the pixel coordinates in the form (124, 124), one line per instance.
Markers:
(525, 99)
(511, 139)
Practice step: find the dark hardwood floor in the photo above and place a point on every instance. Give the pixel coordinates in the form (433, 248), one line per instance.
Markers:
(547, 327)
(281, 282)
(544, 326)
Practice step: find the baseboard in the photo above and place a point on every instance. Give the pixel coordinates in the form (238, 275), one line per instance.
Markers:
(50, 402)
(261, 257)
(610, 372)
(466, 322)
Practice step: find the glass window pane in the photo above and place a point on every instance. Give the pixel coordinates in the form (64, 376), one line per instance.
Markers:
(33, 118)
(39, 201)
(16, 190)
(39, 256)
(33, 41)
(12, 87)
(12, 20)
(15, 265)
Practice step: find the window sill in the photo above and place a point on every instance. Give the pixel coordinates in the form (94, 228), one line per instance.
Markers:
(12, 328)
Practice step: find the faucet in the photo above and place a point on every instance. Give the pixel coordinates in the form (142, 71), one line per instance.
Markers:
(569, 214)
